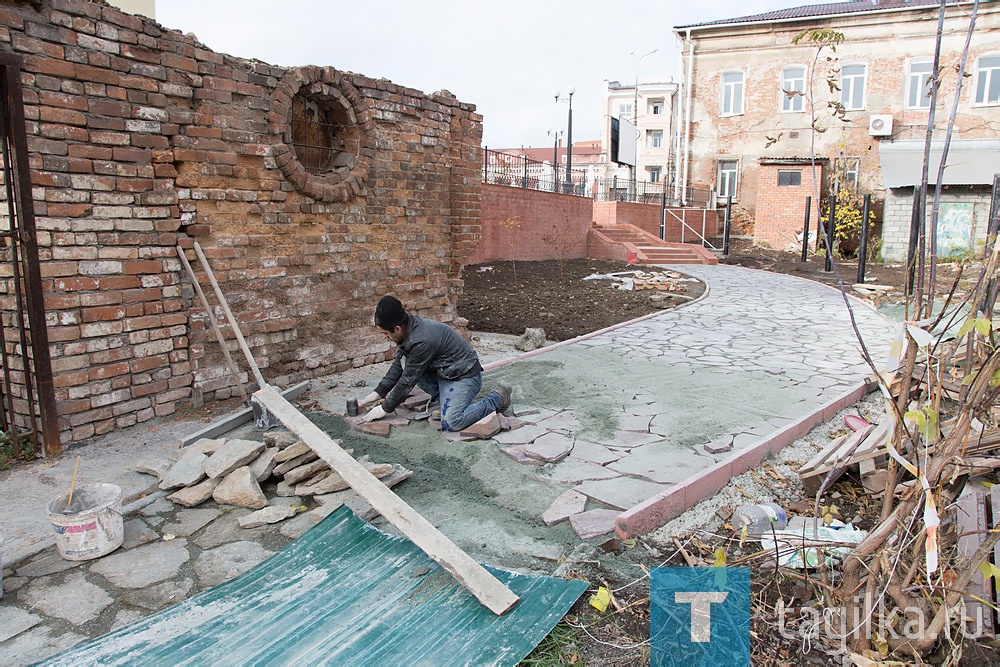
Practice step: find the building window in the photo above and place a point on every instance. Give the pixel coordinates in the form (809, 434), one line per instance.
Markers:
(845, 173)
(732, 94)
(793, 88)
(728, 178)
(789, 177)
(988, 80)
(654, 138)
(654, 174)
(625, 110)
(852, 86)
(918, 84)
(656, 107)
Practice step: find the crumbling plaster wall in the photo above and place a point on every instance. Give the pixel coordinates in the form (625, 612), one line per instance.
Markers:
(883, 41)
(141, 138)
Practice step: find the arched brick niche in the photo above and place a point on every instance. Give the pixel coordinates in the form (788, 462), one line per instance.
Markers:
(324, 131)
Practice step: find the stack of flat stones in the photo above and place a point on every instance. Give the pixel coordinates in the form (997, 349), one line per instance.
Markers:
(235, 471)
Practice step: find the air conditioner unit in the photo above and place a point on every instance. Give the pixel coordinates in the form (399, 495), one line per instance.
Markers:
(880, 125)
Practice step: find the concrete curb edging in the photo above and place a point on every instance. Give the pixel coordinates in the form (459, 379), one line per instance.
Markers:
(653, 513)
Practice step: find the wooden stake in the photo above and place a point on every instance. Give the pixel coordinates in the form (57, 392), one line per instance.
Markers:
(72, 484)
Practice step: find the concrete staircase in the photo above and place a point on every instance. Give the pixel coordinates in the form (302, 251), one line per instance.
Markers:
(622, 241)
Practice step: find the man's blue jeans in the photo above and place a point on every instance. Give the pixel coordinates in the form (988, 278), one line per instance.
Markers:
(457, 396)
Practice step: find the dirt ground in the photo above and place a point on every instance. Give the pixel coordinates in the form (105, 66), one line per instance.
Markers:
(508, 297)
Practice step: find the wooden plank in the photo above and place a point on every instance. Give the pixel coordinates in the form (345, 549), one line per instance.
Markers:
(838, 459)
(470, 574)
(227, 424)
(970, 515)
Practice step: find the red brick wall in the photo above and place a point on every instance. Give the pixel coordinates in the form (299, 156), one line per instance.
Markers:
(781, 210)
(140, 138)
(647, 218)
(531, 225)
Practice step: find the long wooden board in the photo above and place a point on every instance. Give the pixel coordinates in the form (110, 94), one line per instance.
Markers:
(470, 574)
(228, 423)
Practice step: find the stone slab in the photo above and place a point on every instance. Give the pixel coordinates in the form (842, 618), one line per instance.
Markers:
(570, 503)
(622, 492)
(14, 621)
(75, 599)
(595, 453)
(630, 440)
(517, 453)
(145, 565)
(662, 463)
(521, 436)
(572, 470)
(551, 447)
(227, 561)
(594, 523)
(189, 521)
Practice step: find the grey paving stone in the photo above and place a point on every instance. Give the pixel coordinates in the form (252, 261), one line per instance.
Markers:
(37, 644)
(158, 506)
(662, 463)
(145, 565)
(189, 521)
(620, 493)
(595, 453)
(521, 436)
(14, 621)
(138, 532)
(75, 599)
(572, 470)
(630, 422)
(227, 529)
(160, 596)
(569, 503)
(47, 562)
(551, 447)
(227, 561)
(629, 440)
(125, 617)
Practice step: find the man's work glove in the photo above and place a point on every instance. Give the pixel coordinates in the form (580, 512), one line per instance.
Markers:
(375, 413)
(370, 398)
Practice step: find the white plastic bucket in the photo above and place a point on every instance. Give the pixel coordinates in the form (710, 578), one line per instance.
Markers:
(92, 526)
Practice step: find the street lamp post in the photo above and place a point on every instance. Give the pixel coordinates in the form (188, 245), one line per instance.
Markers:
(555, 157)
(635, 110)
(568, 185)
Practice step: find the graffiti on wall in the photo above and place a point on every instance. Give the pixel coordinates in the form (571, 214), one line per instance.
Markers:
(954, 228)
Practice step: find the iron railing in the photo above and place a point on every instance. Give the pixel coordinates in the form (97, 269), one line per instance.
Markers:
(519, 171)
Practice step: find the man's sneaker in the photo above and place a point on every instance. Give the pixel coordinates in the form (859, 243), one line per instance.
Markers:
(503, 391)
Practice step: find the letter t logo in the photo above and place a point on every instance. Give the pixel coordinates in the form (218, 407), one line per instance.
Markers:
(701, 612)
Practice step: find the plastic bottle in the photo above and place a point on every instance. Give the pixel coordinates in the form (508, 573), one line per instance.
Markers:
(759, 519)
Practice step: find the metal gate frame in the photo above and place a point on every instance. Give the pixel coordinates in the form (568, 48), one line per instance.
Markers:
(24, 362)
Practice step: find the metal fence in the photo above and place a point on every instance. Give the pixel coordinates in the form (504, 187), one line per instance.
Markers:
(647, 192)
(519, 171)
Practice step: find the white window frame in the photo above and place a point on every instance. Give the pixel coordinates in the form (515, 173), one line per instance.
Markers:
(655, 172)
(792, 84)
(730, 92)
(918, 99)
(986, 77)
(731, 180)
(655, 107)
(654, 138)
(848, 83)
(625, 110)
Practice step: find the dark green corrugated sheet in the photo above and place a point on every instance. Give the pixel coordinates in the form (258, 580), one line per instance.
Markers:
(344, 593)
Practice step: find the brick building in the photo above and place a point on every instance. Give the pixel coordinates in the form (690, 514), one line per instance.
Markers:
(313, 192)
(755, 85)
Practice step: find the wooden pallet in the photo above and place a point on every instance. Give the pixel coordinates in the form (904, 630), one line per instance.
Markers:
(834, 460)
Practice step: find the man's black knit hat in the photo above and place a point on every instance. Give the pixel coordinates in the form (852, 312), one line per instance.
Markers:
(389, 313)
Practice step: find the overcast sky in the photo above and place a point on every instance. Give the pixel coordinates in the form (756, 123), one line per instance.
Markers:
(508, 57)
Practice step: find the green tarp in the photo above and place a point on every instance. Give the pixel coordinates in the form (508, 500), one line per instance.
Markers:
(344, 593)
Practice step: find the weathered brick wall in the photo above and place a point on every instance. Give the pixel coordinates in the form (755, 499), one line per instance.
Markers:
(141, 138)
(781, 209)
(524, 224)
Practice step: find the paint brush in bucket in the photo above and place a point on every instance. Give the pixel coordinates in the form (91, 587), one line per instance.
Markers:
(72, 484)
